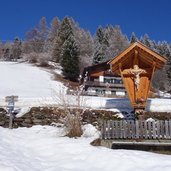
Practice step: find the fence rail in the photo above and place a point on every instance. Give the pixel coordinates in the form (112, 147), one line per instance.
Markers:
(160, 129)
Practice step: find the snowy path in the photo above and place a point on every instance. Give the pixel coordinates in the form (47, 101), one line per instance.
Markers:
(154, 105)
(42, 148)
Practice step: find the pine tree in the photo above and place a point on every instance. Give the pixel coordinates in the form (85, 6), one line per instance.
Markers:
(169, 71)
(7, 51)
(100, 46)
(117, 42)
(100, 53)
(7, 54)
(55, 24)
(109, 42)
(85, 42)
(36, 37)
(43, 29)
(162, 79)
(16, 49)
(133, 38)
(147, 40)
(1, 50)
(70, 58)
(99, 35)
(65, 29)
(52, 34)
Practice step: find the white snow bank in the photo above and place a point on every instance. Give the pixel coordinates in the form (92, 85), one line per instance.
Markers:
(90, 131)
(23, 111)
(164, 94)
(159, 105)
(44, 148)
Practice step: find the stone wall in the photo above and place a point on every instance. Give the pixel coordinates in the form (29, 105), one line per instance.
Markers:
(50, 115)
(36, 116)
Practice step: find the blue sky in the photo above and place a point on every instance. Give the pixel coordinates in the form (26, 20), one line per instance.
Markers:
(146, 16)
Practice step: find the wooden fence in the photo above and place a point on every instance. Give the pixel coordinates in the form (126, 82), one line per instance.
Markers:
(136, 129)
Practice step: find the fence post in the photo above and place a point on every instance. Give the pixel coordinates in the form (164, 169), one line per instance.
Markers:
(124, 129)
(104, 123)
(162, 128)
(166, 129)
(137, 129)
(154, 129)
(170, 128)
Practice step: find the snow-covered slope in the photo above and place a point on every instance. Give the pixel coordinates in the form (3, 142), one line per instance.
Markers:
(43, 148)
(25, 80)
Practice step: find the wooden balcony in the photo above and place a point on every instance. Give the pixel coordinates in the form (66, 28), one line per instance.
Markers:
(101, 84)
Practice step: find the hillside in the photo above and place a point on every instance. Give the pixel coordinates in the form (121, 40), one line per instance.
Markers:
(25, 80)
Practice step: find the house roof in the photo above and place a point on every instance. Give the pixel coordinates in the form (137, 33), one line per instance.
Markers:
(97, 69)
(144, 52)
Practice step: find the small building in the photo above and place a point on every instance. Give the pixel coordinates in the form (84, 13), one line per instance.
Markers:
(102, 82)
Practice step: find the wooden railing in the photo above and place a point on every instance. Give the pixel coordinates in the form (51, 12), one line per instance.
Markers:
(136, 129)
(97, 83)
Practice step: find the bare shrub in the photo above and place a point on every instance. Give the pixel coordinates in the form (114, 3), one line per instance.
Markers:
(43, 59)
(73, 112)
(73, 124)
(31, 57)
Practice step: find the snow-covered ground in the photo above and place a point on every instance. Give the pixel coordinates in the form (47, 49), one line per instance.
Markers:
(44, 148)
(25, 80)
(35, 87)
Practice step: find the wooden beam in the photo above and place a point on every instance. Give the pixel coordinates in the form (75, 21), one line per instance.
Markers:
(153, 70)
(149, 51)
(152, 57)
(127, 57)
(150, 60)
(120, 56)
(135, 62)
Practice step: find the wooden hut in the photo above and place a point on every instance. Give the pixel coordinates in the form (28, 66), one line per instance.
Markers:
(136, 65)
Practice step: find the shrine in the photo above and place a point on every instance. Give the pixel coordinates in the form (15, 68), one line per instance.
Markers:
(136, 65)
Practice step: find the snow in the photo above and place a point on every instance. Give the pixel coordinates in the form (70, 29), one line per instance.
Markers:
(23, 111)
(25, 80)
(45, 148)
(150, 120)
(90, 131)
(164, 94)
(58, 68)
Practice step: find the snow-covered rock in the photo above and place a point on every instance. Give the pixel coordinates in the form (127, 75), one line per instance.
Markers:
(90, 131)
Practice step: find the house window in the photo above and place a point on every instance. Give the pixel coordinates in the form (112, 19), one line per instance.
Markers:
(118, 81)
(113, 92)
(109, 80)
